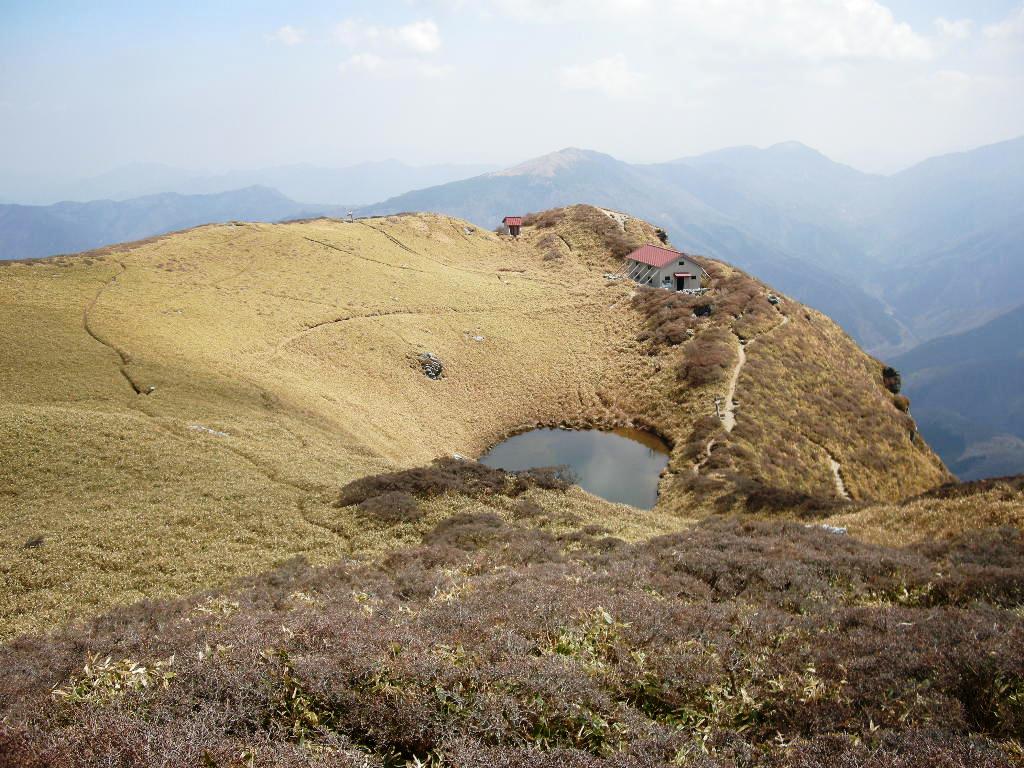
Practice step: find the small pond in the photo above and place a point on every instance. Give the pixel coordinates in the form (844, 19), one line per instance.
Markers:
(622, 466)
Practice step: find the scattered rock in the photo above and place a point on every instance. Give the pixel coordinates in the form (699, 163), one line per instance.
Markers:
(432, 367)
(478, 338)
(773, 299)
(35, 541)
(207, 430)
(836, 529)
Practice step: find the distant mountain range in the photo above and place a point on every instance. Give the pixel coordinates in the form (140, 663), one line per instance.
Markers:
(895, 259)
(30, 231)
(355, 184)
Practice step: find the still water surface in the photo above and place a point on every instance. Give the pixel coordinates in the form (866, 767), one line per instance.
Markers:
(621, 466)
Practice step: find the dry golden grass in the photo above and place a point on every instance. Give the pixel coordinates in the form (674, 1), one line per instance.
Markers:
(280, 362)
(939, 517)
(297, 343)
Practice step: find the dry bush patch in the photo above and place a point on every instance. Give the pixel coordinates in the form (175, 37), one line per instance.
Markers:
(735, 643)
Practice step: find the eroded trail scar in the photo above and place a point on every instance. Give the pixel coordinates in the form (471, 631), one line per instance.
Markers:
(366, 258)
(124, 358)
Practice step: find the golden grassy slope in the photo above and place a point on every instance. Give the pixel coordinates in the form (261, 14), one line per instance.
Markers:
(280, 363)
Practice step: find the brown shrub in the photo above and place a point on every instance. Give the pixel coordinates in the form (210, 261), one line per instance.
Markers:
(617, 242)
(1012, 485)
(549, 246)
(544, 219)
(902, 402)
(391, 508)
(670, 315)
(760, 498)
(708, 358)
(449, 475)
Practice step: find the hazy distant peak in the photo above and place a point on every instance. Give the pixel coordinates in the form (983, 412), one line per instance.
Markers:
(792, 145)
(551, 164)
(749, 152)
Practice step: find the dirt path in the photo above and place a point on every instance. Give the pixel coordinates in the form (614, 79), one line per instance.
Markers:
(728, 413)
(838, 478)
(729, 409)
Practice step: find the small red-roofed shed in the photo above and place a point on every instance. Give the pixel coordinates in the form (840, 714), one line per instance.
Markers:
(512, 225)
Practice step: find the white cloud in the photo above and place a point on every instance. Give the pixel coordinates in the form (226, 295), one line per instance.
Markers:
(433, 71)
(611, 76)
(288, 35)
(954, 30)
(951, 85)
(362, 62)
(1011, 28)
(554, 11)
(807, 29)
(366, 63)
(419, 37)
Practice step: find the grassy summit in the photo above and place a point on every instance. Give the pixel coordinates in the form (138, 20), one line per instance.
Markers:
(227, 401)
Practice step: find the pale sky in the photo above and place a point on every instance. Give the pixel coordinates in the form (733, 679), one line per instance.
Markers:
(879, 84)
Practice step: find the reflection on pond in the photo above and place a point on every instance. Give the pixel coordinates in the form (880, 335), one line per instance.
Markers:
(621, 466)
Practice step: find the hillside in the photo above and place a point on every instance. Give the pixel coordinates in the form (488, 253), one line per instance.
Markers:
(280, 363)
(29, 231)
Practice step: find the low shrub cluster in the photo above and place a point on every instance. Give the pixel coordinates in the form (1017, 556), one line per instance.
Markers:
(708, 358)
(758, 497)
(611, 236)
(736, 643)
(617, 242)
(391, 507)
(549, 247)
(545, 219)
(1010, 486)
(671, 318)
(449, 475)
